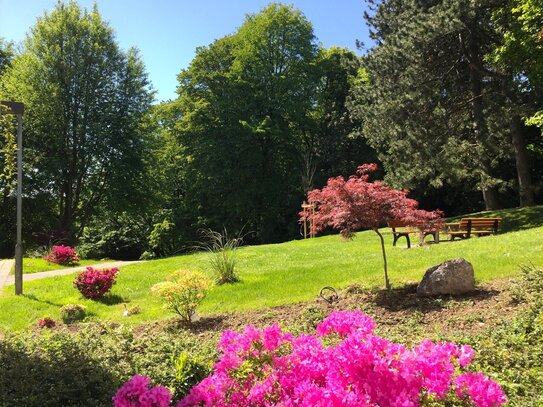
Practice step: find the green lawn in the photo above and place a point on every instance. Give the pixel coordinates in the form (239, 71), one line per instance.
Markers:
(284, 273)
(36, 265)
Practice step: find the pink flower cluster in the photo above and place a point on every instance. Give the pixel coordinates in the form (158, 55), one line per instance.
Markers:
(480, 390)
(62, 255)
(95, 284)
(136, 393)
(268, 367)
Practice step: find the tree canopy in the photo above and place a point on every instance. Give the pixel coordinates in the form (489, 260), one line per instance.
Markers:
(254, 107)
(85, 102)
(436, 109)
(447, 100)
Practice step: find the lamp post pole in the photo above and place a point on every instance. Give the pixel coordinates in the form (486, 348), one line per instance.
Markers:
(19, 244)
(17, 108)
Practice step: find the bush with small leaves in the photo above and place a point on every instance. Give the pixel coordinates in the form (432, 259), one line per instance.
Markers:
(529, 287)
(189, 370)
(184, 291)
(85, 367)
(71, 313)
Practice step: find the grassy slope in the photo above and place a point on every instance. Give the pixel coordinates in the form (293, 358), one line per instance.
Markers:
(513, 219)
(284, 273)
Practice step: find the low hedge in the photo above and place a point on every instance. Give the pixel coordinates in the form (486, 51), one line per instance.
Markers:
(62, 368)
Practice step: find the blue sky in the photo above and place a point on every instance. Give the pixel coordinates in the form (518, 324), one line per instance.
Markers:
(167, 32)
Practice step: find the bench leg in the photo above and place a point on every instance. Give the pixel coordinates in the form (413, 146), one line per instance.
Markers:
(397, 237)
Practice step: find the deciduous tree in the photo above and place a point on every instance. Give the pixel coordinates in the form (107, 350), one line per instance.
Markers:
(85, 102)
(356, 203)
(243, 102)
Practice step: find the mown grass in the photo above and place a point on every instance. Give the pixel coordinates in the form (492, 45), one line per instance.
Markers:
(37, 265)
(272, 275)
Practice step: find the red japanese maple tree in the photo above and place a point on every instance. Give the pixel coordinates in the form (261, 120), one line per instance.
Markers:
(356, 204)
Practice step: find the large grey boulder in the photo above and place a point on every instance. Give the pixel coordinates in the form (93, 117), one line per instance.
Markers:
(451, 277)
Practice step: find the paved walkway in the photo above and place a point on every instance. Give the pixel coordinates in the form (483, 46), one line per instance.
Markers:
(5, 269)
(10, 280)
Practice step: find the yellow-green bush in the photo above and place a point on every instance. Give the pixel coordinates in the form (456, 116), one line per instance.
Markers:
(183, 292)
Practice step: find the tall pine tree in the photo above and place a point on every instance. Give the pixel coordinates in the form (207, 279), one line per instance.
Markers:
(437, 112)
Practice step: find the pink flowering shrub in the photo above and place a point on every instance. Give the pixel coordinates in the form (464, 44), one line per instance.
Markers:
(136, 393)
(269, 367)
(479, 389)
(62, 255)
(95, 284)
(46, 322)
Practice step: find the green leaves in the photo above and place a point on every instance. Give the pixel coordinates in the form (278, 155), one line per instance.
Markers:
(242, 103)
(86, 100)
(437, 112)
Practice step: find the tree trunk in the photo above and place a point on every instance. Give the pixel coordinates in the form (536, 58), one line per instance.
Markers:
(490, 196)
(309, 157)
(526, 193)
(480, 129)
(387, 283)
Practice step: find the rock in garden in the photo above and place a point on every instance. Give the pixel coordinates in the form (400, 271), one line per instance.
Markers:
(451, 277)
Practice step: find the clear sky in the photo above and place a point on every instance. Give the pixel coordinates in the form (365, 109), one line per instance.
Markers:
(167, 32)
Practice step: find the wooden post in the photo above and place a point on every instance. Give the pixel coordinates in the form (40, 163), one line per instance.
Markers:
(305, 206)
(305, 229)
(311, 213)
(311, 209)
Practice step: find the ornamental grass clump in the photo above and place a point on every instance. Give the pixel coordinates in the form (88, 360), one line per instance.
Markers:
(94, 284)
(183, 292)
(222, 259)
(64, 255)
(270, 367)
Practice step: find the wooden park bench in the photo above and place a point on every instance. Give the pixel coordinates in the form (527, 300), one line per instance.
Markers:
(401, 229)
(472, 226)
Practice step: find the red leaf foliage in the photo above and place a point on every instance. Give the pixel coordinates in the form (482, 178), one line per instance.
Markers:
(356, 204)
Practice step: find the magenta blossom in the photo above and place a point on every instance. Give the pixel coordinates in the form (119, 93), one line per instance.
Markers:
(268, 367)
(136, 393)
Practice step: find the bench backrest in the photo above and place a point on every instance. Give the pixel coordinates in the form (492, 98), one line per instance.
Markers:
(480, 223)
(397, 224)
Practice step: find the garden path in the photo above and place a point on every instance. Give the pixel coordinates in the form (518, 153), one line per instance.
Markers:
(5, 268)
(10, 280)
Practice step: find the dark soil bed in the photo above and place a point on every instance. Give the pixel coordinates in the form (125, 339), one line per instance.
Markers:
(393, 311)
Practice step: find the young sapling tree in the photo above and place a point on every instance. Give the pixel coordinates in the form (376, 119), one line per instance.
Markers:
(356, 204)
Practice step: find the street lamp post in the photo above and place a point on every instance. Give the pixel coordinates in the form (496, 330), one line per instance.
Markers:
(17, 108)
